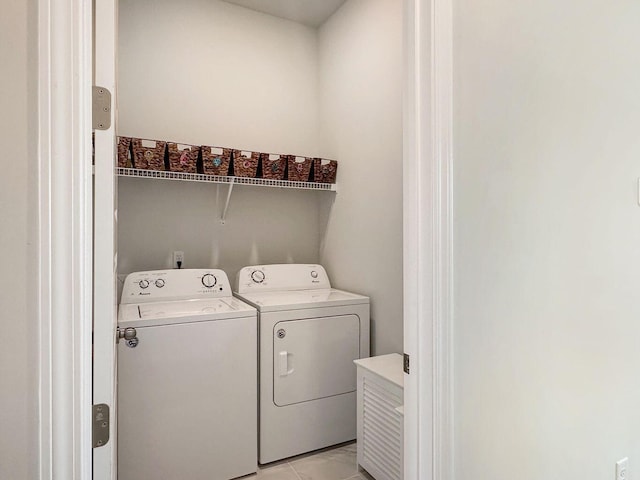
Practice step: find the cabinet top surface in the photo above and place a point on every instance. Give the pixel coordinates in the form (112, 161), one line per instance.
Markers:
(388, 367)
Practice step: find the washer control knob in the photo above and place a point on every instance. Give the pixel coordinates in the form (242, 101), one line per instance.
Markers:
(143, 283)
(257, 276)
(209, 280)
(159, 283)
(314, 274)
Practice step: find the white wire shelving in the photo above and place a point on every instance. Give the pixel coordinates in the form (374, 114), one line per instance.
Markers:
(219, 180)
(198, 177)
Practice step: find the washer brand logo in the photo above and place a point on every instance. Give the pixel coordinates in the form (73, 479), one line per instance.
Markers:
(144, 293)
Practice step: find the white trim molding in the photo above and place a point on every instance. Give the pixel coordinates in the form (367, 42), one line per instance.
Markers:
(64, 262)
(442, 181)
(428, 237)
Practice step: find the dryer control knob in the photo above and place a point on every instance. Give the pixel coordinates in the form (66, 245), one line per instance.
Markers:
(159, 283)
(143, 283)
(257, 276)
(314, 274)
(209, 280)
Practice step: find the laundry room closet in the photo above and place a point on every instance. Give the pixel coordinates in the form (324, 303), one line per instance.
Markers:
(210, 72)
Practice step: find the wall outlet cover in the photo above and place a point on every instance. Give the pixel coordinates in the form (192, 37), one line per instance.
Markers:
(622, 467)
(178, 256)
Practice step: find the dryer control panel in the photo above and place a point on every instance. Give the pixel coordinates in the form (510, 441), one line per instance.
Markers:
(295, 276)
(167, 285)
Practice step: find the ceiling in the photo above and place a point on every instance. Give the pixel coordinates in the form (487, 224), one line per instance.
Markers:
(309, 12)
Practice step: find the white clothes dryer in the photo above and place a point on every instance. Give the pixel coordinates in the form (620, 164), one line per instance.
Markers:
(187, 374)
(309, 335)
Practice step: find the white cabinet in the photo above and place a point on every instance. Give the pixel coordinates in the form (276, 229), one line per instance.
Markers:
(380, 419)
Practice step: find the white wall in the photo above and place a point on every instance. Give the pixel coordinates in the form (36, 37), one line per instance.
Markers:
(18, 412)
(208, 72)
(547, 228)
(204, 71)
(273, 85)
(361, 110)
(265, 226)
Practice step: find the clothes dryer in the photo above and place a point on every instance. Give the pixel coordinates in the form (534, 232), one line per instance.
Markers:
(309, 336)
(187, 378)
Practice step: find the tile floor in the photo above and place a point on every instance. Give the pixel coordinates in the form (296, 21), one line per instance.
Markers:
(337, 463)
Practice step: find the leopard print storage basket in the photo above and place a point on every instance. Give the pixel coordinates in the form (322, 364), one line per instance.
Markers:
(245, 164)
(215, 160)
(299, 169)
(324, 171)
(124, 152)
(273, 166)
(148, 154)
(183, 158)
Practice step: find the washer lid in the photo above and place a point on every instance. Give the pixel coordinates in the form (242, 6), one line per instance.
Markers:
(183, 311)
(299, 299)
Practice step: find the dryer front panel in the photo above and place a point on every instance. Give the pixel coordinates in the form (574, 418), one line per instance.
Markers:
(313, 358)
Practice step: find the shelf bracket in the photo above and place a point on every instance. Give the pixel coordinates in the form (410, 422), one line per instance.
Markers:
(226, 204)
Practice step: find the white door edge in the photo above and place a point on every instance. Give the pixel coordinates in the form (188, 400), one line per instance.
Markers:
(442, 114)
(105, 307)
(63, 268)
(428, 265)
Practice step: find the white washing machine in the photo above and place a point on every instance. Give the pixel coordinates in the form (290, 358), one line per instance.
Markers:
(187, 380)
(309, 336)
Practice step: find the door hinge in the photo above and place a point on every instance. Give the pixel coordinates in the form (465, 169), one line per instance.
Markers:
(406, 363)
(101, 108)
(100, 425)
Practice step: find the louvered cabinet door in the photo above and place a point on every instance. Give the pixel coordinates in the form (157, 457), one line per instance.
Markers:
(379, 426)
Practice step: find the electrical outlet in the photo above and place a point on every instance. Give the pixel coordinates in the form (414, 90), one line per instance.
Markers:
(178, 259)
(622, 467)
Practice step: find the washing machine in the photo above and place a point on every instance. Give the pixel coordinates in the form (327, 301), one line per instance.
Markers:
(187, 374)
(309, 336)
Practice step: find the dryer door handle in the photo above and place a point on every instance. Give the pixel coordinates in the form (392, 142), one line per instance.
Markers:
(284, 364)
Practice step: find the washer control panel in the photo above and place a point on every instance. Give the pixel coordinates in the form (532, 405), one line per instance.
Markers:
(168, 285)
(265, 278)
(209, 280)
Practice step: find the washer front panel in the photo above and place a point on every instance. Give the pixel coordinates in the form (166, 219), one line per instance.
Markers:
(187, 402)
(305, 426)
(313, 358)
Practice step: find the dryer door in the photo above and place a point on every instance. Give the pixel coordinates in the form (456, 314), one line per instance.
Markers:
(313, 358)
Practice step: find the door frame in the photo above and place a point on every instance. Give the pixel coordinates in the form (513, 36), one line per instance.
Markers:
(428, 239)
(64, 217)
(64, 240)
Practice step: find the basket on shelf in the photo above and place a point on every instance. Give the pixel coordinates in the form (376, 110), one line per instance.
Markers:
(215, 160)
(299, 169)
(183, 158)
(148, 154)
(324, 171)
(273, 165)
(245, 164)
(124, 152)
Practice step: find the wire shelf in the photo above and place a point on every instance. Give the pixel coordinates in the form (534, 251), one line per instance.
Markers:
(198, 177)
